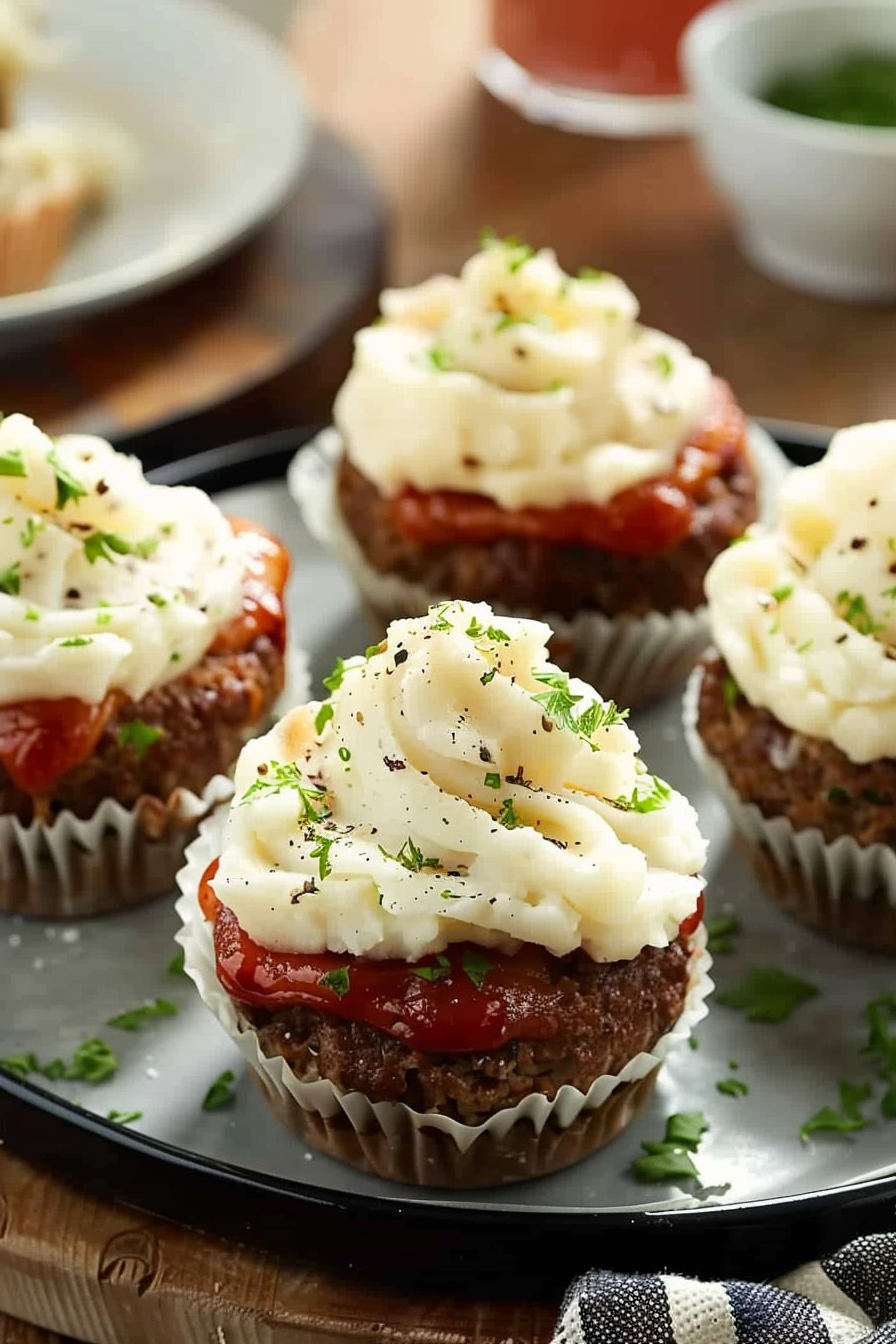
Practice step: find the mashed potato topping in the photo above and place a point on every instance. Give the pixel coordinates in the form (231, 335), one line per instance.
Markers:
(518, 382)
(457, 787)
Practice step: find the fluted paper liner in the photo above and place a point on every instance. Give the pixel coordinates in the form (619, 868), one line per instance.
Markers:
(119, 857)
(632, 659)
(389, 1138)
(33, 238)
(839, 887)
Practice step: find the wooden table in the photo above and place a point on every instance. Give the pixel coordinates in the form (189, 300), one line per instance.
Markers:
(115, 1276)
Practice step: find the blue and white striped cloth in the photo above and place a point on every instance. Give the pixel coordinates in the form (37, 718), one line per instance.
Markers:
(849, 1298)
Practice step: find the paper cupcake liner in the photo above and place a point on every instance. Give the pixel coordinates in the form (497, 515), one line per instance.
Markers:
(119, 857)
(533, 1138)
(33, 240)
(839, 887)
(630, 659)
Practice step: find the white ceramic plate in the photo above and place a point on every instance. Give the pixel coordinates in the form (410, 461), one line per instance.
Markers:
(221, 132)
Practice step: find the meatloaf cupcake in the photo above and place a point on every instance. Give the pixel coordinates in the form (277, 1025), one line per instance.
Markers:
(515, 437)
(795, 717)
(50, 178)
(141, 643)
(451, 921)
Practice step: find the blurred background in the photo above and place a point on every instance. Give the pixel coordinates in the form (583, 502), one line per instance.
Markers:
(567, 125)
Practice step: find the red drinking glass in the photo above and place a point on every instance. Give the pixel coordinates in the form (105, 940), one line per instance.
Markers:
(592, 65)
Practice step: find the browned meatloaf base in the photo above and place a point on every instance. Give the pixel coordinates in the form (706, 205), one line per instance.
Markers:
(610, 1013)
(527, 574)
(820, 787)
(204, 714)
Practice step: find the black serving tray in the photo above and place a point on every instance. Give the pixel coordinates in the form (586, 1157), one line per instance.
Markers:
(519, 1244)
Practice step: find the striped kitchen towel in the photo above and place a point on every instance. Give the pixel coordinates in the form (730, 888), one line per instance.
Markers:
(850, 1298)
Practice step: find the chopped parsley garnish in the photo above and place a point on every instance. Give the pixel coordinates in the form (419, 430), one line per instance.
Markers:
(507, 817)
(599, 716)
(589, 273)
(373, 649)
(440, 619)
(93, 1062)
(781, 594)
(433, 973)
(323, 717)
(513, 320)
(11, 463)
(344, 754)
(76, 642)
(805, 646)
(11, 578)
(768, 994)
(489, 676)
(133, 1018)
(476, 966)
(880, 1015)
(450, 895)
(845, 1121)
(339, 981)
(176, 964)
(855, 612)
(30, 531)
(103, 545)
(662, 361)
(476, 630)
(657, 798)
(732, 1087)
(321, 852)
(558, 702)
(837, 794)
(334, 680)
(68, 487)
(556, 385)
(157, 599)
(686, 1129)
(274, 777)
(718, 934)
(32, 614)
(492, 780)
(124, 1117)
(410, 857)
(517, 253)
(669, 1159)
(440, 358)
(20, 1065)
(693, 1043)
(139, 736)
(220, 1093)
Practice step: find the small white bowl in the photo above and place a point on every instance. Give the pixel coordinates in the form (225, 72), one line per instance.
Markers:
(815, 200)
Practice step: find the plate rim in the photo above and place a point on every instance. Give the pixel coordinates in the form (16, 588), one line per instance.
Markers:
(54, 304)
(264, 458)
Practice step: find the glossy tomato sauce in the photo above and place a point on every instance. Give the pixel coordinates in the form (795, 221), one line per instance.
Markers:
(41, 740)
(467, 998)
(645, 519)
